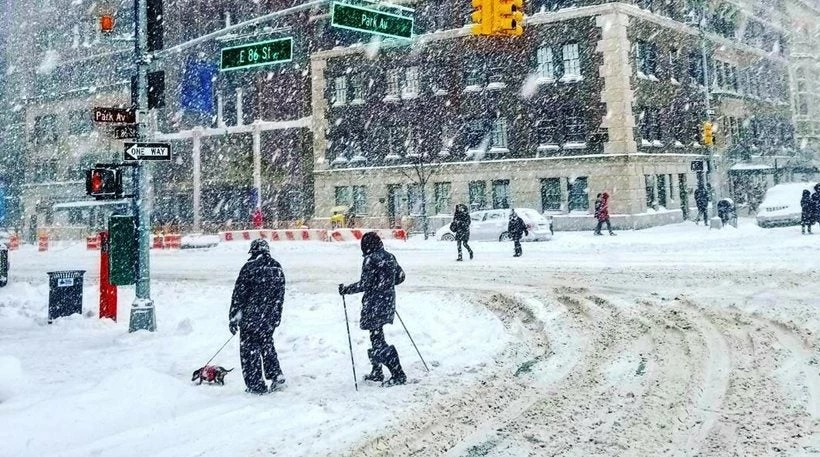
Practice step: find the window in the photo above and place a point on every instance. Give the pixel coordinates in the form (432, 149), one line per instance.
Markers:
(46, 171)
(477, 191)
(357, 85)
(474, 77)
(546, 129)
(359, 200)
(343, 196)
(501, 194)
(393, 81)
(414, 200)
(645, 59)
(499, 136)
(649, 121)
(572, 61)
(340, 93)
(410, 141)
(79, 122)
(577, 189)
(649, 185)
(411, 83)
(551, 194)
(575, 127)
(45, 129)
(474, 132)
(441, 191)
(496, 77)
(394, 203)
(695, 68)
(447, 140)
(661, 182)
(545, 67)
(673, 65)
(395, 140)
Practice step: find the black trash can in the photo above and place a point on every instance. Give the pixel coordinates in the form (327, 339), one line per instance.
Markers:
(4, 265)
(65, 293)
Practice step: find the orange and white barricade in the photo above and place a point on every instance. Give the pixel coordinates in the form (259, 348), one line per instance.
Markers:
(42, 242)
(14, 242)
(356, 234)
(275, 235)
(92, 242)
(172, 241)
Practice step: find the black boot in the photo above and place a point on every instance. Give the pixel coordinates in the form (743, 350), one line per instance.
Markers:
(391, 361)
(459, 257)
(376, 373)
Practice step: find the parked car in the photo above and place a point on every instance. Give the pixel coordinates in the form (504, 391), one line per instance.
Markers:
(491, 225)
(781, 204)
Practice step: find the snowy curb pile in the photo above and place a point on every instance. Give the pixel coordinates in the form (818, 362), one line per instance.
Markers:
(310, 235)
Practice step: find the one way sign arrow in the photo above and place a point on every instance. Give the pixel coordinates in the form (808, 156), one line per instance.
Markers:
(147, 151)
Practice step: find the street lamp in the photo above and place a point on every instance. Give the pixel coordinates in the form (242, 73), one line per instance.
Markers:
(712, 171)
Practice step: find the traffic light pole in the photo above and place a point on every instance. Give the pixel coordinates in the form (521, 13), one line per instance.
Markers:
(142, 310)
(712, 170)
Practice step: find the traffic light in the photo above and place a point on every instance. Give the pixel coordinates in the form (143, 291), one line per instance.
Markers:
(103, 183)
(707, 133)
(106, 23)
(482, 17)
(508, 17)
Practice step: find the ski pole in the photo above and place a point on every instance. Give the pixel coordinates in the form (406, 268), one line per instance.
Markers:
(220, 349)
(411, 340)
(350, 345)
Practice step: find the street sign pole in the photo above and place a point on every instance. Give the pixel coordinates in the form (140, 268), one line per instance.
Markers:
(142, 310)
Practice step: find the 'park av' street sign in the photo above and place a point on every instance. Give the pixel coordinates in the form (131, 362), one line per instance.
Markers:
(114, 115)
(257, 54)
(372, 21)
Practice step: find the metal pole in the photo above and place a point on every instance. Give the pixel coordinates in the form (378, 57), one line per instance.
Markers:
(196, 159)
(411, 340)
(142, 310)
(257, 163)
(350, 345)
(712, 169)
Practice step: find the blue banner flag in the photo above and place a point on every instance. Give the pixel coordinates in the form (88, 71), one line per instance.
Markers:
(197, 92)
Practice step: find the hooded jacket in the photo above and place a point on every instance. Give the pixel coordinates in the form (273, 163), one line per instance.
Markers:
(602, 213)
(461, 223)
(807, 208)
(258, 295)
(380, 274)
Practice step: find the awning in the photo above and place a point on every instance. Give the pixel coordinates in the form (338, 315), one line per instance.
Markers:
(750, 166)
(89, 204)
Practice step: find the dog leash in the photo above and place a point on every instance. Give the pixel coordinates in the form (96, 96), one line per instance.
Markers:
(220, 349)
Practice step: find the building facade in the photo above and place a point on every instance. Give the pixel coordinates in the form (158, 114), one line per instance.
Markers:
(593, 97)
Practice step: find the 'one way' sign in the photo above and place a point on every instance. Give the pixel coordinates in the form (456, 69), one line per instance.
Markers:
(147, 151)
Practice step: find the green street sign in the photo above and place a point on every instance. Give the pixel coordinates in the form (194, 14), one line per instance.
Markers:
(257, 54)
(367, 20)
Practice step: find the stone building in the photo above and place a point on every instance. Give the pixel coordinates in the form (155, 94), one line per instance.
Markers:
(593, 97)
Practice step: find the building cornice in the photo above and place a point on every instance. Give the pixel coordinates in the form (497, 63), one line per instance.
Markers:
(559, 16)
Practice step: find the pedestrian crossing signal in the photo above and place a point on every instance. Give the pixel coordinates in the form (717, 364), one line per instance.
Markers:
(103, 183)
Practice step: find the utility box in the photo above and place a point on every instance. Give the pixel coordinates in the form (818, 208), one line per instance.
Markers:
(122, 232)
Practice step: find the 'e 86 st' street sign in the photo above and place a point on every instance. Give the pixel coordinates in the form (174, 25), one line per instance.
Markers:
(257, 54)
(372, 21)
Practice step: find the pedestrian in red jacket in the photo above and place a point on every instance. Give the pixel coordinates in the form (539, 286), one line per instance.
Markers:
(602, 213)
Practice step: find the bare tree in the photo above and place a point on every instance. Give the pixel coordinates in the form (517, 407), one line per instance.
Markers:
(423, 167)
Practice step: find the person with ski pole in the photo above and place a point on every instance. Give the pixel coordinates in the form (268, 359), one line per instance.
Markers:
(256, 311)
(380, 274)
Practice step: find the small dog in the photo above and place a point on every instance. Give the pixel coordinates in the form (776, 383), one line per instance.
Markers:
(210, 373)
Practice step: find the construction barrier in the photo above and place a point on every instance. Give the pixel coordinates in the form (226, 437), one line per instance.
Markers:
(14, 242)
(356, 234)
(42, 242)
(275, 235)
(92, 242)
(158, 243)
(172, 241)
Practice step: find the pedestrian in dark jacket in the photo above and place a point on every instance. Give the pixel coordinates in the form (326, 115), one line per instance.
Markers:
(256, 311)
(815, 198)
(807, 215)
(516, 228)
(702, 202)
(380, 274)
(461, 228)
(602, 214)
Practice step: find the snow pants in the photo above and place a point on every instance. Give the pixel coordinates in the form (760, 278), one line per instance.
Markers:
(258, 356)
(517, 247)
(705, 213)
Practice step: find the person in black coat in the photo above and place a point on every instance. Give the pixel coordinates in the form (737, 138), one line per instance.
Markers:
(516, 228)
(702, 202)
(256, 311)
(380, 274)
(815, 198)
(807, 215)
(461, 228)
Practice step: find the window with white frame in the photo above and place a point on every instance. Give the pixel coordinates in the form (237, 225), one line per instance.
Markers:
(359, 200)
(645, 59)
(410, 150)
(414, 200)
(441, 192)
(393, 82)
(545, 67)
(411, 83)
(572, 61)
(575, 127)
(394, 143)
(474, 77)
(495, 77)
(340, 90)
(474, 132)
(342, 194)
(357, 86)
(499, 134)
(547, 130)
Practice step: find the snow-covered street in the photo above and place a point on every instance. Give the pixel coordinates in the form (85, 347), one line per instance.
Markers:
(675, 340)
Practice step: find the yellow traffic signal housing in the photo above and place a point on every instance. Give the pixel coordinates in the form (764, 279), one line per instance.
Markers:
(508, 17)
(707, 133)
(482, 17)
